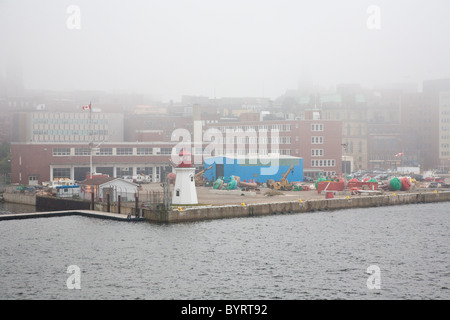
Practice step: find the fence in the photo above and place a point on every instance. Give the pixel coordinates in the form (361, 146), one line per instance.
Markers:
(151, 200)
(147, 199)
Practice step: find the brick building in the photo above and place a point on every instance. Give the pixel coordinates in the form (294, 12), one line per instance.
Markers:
(43, 162)
(318, 142)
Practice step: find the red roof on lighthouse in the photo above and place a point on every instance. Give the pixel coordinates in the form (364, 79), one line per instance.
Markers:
(186, 159)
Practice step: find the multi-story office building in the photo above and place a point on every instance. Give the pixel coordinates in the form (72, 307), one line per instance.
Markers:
(425, 124)
(444, 130)
(83, 126)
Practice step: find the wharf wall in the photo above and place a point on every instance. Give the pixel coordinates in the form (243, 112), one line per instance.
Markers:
(20, 198)
(235, 211)
(51, 203)
(189, 214)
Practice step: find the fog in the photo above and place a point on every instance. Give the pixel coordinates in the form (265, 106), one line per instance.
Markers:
(222, 48)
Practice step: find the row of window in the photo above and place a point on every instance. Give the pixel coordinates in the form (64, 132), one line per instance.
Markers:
(255, 140)
(264, 127)
(108, 151)
(59, 173)
(70, 121)
(262, 152)
(67, 138)
(70, 132)
(323, 163)
(317, 140)
(316, 152)
(69, 115)
(317, 127)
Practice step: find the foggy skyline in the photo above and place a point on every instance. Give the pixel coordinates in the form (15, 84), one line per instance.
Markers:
(222, 48)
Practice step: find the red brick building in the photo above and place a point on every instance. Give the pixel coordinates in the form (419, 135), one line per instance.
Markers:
(318, 142)
(34, 163)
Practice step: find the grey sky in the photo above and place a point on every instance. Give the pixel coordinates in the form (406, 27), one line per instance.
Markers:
(228, 48)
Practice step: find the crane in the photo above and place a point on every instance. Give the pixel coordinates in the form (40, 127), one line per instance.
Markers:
(283, 184)
(199, 177)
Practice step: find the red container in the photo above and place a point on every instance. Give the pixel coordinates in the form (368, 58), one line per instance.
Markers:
(330, 186)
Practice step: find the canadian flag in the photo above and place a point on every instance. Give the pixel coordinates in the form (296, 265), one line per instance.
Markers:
(398, 154)
(88, 107)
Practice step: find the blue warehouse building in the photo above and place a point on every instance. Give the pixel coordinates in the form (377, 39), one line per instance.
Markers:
(258, 168)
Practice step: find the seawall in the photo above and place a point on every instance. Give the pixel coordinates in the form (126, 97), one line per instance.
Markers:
(20, 198)
(234, 211)
(189, 214)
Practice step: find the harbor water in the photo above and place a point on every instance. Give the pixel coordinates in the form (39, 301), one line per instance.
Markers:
(320, 255)
(7, 208)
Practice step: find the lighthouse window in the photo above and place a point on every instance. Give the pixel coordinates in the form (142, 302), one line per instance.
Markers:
(178, 193)
(192, 178)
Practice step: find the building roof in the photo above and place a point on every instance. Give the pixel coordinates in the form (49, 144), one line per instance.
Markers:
(98, 181)
(255, 156)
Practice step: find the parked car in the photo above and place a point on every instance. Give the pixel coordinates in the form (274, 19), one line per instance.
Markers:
(434, 184)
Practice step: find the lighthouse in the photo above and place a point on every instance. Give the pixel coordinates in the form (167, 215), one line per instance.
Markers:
(184, 191)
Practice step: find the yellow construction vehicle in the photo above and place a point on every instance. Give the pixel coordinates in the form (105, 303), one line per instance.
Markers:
(199, 177)
(283, 184)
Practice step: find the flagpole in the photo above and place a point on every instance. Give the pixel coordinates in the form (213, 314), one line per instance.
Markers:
(91, 143)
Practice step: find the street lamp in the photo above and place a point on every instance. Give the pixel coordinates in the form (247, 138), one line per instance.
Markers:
(92, 148)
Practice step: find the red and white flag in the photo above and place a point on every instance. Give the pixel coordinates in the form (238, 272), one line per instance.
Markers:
(399, 154)
(88, 107)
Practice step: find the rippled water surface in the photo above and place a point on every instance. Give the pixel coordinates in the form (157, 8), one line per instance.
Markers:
(7, 208)
(321, 255)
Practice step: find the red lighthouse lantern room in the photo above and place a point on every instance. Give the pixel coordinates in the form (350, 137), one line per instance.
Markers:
(186, 159)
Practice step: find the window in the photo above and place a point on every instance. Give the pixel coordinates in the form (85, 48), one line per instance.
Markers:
(144, 151)
(316, 127)
(60, 173)
(316, 140)
(165, 151)
(124, 171)
(316, 152)
(105, 152)
(82, 151)
(144, 170)
(124, 151)
(61, 151)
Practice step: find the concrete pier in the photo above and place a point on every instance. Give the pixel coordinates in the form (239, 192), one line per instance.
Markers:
(233, 211)
(83, 213)
(210, 212)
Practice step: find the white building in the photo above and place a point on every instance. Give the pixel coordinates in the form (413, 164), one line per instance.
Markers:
(102, 186)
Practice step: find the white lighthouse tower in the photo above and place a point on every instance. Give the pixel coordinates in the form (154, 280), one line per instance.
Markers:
(184, 191)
